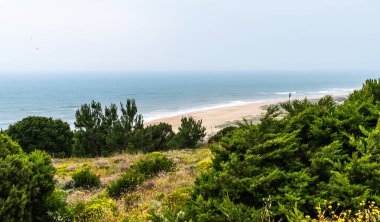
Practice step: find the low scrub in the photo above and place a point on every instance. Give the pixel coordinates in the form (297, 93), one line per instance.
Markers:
(127, 182)
(86, 179)
(152, 164)
(98, 209)
(143, 169)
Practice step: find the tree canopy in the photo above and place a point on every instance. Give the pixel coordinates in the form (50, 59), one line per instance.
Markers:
(36, 132)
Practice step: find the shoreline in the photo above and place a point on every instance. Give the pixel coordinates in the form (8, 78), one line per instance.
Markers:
(215, 119)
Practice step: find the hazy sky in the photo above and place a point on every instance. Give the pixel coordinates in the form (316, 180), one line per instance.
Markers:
(170, 35)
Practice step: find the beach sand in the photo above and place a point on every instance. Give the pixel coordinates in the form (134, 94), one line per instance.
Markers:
(218, 118)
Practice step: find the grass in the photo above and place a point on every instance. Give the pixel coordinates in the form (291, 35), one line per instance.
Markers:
(153, 193)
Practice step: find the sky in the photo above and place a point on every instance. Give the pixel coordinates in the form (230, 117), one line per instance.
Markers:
(188, 35)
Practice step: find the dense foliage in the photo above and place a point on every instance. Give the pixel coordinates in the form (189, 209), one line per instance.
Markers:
(26, 185)
(86, 179)
(102, 133)
(220, 134)
(190, 133)
(36, 132)
(151, 138)
(316, 153)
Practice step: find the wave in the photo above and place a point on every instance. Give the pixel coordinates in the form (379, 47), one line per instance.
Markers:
(285, 93)
(158, 114)
(327, 91)
(333, 91)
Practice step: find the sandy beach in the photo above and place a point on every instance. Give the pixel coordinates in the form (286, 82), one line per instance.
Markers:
(218, 118)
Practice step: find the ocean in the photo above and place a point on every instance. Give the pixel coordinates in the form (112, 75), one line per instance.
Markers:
(160, 94)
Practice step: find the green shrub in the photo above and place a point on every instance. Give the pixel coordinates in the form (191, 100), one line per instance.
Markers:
(58, 208)
(43, 133)
(152, 164)
(220, 134)
(8, 147)
(161, 135)
(151, 138)
(127, 182)
(98, 209)
(317, 152)
(85, 178)
(26, 183)
(189, 135)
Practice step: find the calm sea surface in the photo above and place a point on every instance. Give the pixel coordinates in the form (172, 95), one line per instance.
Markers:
(160, 94)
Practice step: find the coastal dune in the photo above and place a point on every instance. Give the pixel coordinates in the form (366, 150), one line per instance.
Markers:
(217, 118)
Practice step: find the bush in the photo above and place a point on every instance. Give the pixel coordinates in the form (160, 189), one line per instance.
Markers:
(151, 138)
(152, 164)
(127, 182)
(36, 132)
(26, 183)
(161, 135)
(317, 153)
(84, 178)
(8, 147)
(98, 209)
(190, 133)
(58, 208)
(220, 134)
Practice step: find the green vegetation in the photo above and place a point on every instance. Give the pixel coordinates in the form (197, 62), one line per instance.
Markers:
(26, 183)
(318, 153)
(127, 182)
(190, 133)
(303, 161)
(220, 134)
(42, 133)
(152, 164)
(86, 179)
(103, 133)
(151, 138)
(146, 168)
(97, 209)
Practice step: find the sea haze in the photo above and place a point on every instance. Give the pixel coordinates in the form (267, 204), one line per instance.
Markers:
(160, 94)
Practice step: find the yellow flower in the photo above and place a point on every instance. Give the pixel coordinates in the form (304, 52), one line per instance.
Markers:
(330, 207)
(307, 216)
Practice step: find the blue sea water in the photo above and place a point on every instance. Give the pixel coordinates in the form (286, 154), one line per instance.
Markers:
(160, 94)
